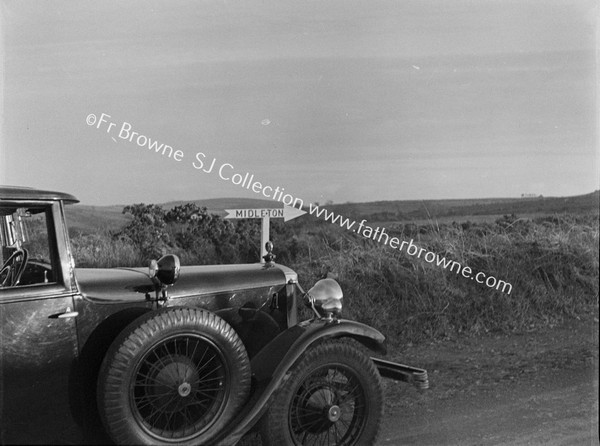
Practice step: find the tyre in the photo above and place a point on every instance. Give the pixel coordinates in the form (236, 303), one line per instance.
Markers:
(333, 397)
(178, 375)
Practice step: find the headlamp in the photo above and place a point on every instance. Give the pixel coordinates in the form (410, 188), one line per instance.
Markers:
(165, 271)
(325, 298)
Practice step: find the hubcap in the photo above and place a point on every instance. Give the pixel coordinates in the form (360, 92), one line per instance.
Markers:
(334, 413)
(184, 389)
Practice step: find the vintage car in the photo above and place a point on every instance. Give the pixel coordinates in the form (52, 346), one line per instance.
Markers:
(173, 354)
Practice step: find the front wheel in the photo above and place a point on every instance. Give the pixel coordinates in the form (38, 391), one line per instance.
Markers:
(332, 397)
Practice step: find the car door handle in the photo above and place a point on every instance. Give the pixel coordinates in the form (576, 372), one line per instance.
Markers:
(68, 313)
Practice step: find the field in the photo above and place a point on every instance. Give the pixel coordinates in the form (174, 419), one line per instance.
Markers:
(546, 248)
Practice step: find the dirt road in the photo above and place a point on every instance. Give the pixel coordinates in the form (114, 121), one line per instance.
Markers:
(534, 388)
(537, 388)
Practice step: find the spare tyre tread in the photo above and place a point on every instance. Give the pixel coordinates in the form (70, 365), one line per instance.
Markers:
(136, 340)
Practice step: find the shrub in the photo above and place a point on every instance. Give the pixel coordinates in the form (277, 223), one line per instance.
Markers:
(104, 251)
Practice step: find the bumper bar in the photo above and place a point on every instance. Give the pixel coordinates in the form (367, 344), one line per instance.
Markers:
(400, 372)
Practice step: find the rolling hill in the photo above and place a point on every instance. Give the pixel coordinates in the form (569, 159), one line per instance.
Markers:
(459, 209)
(87, 219)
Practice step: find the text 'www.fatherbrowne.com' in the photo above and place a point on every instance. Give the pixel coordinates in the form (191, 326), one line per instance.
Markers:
(380, 235)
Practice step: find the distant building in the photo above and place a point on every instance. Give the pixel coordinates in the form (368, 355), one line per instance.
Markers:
(531, 196)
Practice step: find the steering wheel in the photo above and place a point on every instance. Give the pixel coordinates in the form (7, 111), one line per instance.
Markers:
(13, 268)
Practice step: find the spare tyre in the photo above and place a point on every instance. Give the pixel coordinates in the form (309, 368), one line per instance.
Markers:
(177, 375)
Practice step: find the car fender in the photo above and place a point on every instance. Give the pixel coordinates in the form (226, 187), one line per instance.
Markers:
(271, 366)
(283, 351)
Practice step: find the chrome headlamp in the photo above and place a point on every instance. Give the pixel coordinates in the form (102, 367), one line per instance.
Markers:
(165, 271)
(325, 298)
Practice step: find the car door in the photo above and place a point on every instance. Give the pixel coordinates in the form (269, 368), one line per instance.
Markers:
(38, 339)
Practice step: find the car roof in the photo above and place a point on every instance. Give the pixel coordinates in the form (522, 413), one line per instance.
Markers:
(30, 193)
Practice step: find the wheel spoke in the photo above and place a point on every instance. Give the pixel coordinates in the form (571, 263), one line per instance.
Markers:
(146, 403)
(205, 363)
(153, 381)
(199, 402)
(353, 390)
(207, 395)
(201, 360)
(201, 379)
(168, 422)
(154, 396)
(159, 410)
(337, 433)
(321, 395)
(304, 437)
(307, 411)
(179, 374)
(157, 393)
(157, 365)
(207, 380)
(184, 414)
(309, 424)
(157, 383)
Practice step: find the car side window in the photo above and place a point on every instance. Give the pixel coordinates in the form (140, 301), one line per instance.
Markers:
(27, 253)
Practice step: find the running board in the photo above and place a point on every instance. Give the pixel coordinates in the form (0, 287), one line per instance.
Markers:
(400, 372)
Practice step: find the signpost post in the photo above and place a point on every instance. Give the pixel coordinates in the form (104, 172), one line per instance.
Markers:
(286, 212)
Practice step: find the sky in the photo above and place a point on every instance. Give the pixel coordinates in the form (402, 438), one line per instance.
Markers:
(341, 100)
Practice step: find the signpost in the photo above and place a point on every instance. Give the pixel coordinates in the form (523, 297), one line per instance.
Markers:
(286, 212)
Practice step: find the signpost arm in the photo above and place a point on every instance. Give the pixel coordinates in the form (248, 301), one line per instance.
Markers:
(287, 213)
